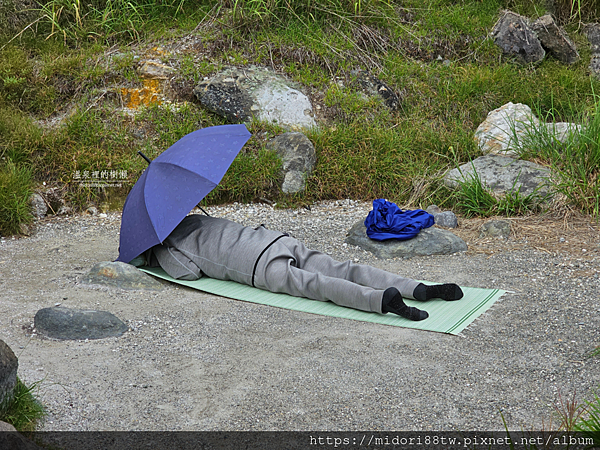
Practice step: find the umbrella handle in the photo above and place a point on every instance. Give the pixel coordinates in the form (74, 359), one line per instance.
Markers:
(148, 160)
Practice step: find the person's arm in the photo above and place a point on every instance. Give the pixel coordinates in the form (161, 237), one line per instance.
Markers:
(175, 263)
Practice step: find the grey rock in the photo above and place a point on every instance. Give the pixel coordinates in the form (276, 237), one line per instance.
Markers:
(595, 65)
(509, 128)
(6, 427)
(433, 209)
(54, 197)
(120, 275)
(64, 323)
(376, 88)
(513, 34)
(429, 241)
(502, 174)
(298, 159)
(293, 181)
(24, 229)
(241, 94)
(64, 210)
(592, 32)
(555, 40)
(505, 128)
(495, 228)
(38, 206)
(8, 372)
(92, 211)
(446, 219)
(562, 131)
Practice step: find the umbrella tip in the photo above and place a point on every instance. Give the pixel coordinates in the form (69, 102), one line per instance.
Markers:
(148, 160)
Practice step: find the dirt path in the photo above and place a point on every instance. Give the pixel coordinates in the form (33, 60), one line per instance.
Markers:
(193, 361)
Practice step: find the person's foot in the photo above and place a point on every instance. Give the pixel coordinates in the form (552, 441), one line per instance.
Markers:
(392, 302)
(449, 292)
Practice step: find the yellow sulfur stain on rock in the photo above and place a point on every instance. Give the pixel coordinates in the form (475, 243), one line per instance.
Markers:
(134, 98)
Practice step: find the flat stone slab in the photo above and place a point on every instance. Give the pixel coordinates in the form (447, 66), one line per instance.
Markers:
(429, 241)
(120, 275)
(502, 174)
(65, 323)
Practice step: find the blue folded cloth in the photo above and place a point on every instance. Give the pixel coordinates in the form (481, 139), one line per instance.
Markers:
(387, 221)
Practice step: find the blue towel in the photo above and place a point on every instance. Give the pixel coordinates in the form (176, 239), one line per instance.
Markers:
(387, 221)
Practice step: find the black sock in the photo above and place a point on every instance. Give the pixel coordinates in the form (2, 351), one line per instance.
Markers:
(444, 291)
(393, 302)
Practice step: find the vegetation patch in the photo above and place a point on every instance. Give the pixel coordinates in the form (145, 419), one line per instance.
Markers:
(70, 81)
(23, 411)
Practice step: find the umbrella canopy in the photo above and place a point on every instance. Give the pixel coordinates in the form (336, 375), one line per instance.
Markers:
(174, 183)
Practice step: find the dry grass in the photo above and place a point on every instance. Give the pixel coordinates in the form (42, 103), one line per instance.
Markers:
(563, 232)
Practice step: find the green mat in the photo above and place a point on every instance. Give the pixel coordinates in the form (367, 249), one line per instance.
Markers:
(444, 317)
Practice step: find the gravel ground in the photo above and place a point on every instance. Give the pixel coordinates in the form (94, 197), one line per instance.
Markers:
(193, 361)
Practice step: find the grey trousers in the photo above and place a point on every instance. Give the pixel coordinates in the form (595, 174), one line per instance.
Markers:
(289, 267)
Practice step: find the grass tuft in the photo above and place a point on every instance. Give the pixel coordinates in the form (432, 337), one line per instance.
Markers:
(475, 199)
(574, 160)
(23, 411)
(590, 424)
(15, 190)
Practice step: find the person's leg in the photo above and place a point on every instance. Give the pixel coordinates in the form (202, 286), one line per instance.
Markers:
(314, 261)
(276, 272)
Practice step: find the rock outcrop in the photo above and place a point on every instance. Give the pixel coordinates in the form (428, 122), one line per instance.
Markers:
(514, 35)
(503, 174)
(298, 159)
(241, 94)
(429, 241)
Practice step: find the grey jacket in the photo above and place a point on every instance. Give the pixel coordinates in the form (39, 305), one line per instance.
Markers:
(218, 248)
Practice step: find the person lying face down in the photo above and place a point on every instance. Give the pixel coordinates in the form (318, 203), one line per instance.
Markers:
(274, 261)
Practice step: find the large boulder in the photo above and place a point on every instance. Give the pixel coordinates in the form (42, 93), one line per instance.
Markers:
(555, 40)
(120, 275)
(65, 323)
(8, 372)
(504, 127)
(513, 34)
(298, 159)
(508, 128)
(241, 94)
(429, 241)
(502, 174)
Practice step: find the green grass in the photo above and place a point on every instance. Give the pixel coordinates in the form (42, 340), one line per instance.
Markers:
(575, 161)
(23, 410)
(15, 189)
(74, 61)
(589, 424)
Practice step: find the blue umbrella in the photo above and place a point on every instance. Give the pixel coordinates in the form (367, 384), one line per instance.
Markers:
(174, 183)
